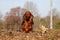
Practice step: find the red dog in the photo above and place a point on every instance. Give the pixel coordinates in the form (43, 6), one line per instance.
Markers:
(27, 22)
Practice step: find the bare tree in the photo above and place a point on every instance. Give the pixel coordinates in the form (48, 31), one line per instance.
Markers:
(12, 19)
(56, 16)
(12, 22)
(0, 15)
(31, 7)
(1, 24)
(55, 12)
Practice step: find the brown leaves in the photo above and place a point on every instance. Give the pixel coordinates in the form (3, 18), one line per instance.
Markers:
(11, 21)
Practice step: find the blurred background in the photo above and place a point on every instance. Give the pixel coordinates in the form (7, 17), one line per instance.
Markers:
(39, 8)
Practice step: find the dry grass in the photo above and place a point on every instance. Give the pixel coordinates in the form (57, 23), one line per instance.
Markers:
(23, 36)
(50, 35)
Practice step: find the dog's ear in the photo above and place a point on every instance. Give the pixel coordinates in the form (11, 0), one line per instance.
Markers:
(22, 23)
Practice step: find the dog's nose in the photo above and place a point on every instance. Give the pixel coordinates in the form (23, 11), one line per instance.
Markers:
(27, 18)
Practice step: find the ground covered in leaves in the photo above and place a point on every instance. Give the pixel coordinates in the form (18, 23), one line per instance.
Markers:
(50, 35)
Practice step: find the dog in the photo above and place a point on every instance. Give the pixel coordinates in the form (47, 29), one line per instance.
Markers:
(43, 29)
(27, 22)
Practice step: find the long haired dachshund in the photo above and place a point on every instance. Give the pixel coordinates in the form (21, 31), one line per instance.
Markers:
(27, 22)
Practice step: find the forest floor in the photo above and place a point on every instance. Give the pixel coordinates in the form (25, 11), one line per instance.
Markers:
(50, 35)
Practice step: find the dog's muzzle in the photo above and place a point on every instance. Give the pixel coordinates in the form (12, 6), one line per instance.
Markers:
(27, 18)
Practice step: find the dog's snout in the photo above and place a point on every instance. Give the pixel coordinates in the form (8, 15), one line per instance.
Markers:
(27, 18)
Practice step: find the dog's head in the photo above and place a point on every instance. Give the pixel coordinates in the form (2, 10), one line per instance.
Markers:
(27, 15)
